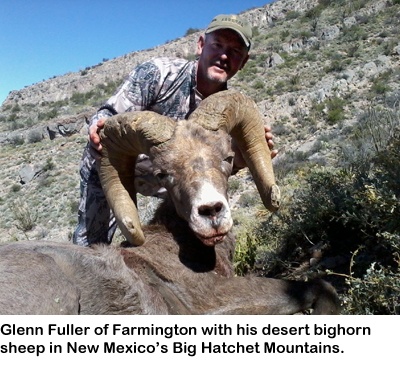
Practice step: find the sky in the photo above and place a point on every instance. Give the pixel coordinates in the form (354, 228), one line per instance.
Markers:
(40, 39)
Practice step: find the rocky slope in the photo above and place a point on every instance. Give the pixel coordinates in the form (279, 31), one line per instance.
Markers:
(316, 66)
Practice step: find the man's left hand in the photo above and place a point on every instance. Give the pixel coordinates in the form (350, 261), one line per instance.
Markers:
(239, 161)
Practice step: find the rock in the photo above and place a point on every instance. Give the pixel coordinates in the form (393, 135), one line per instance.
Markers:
(329, 33)
(348, 75)
(350, 21)
(274, 60)
(307, 146)
(370, 69)
(294, 45)
(27, 173)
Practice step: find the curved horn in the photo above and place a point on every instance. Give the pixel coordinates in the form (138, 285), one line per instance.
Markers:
(123, 138)
(243, 121)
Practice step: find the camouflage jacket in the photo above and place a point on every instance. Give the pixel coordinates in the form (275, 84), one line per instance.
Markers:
(163, 85)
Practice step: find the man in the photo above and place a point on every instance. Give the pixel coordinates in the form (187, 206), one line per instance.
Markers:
(171, 87)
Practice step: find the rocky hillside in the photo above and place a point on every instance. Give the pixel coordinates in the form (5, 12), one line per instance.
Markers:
(315, 68)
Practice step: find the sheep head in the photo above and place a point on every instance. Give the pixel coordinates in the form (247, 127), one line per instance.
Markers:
(194, 167)
(194, 171)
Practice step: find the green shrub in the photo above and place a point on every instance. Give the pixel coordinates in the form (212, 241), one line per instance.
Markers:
(16, 109)
(16, 140)
(380, 88)
(356, 214)
(335, 115)
(15, 125)
(245, 253)
(12, 118)
(314, 13)
(49, 115)
(258, 84)
(16, 188)
(34, 137)
(191, 31)
(50, 165)
(233, 185)
(377, 292)
(335, 112)
(46, 181)
(295, 80)
(335, 66)
(249, 199)
(25, 218)
(292, 14)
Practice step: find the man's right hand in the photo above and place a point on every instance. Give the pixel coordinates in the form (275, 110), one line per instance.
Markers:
(94, 138)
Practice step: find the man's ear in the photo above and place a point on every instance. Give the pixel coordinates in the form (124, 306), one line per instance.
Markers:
(200, 45)
(245, 60)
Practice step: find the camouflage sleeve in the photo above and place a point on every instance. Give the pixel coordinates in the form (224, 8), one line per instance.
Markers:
(139, 91)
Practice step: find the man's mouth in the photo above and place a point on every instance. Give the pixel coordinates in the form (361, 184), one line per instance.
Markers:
(221, 68)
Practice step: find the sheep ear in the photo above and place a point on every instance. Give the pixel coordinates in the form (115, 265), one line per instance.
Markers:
(123, 138)
(241, 118)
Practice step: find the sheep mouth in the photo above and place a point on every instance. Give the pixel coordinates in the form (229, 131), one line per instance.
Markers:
(211, 240)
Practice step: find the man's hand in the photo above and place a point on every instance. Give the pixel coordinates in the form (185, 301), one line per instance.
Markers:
(268, 138)
(239, 161)
(94, 138)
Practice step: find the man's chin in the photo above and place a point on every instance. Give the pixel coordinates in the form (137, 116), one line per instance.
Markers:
(219, 76)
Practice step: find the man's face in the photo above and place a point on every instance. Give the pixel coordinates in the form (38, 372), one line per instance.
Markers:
(222, 54)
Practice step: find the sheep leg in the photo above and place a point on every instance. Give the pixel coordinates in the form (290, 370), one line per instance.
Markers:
(255, 295)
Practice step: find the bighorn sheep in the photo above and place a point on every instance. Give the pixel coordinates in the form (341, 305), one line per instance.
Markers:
(182, 263)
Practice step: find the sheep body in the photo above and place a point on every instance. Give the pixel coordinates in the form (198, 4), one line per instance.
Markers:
(172, 273)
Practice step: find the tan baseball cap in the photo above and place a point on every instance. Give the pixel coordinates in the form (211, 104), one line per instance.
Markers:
(234, 23)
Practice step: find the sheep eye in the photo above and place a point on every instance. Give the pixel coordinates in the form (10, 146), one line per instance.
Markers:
(229, 159)
(160, 176)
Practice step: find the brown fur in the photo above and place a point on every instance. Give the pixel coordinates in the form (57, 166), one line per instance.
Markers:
(167, 275)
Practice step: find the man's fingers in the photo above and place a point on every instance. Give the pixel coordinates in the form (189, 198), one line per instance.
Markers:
(94, 134)
(100, 122)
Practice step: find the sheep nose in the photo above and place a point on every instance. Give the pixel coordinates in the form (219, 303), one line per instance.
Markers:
(211, 211)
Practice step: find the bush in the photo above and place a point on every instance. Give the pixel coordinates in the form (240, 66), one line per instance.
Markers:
(191, 31)
(49, 115)
(16, 140)
(249, 199)
(16, 109)
(15, 126)
(16, 188)
(50, 165)
(25, 218)
(259, 84)
(245, 254)
(34, 137)
(380, 88)
(335, 110)
(355, 213)
(378, 292)
(335, 116)
(292, 14)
